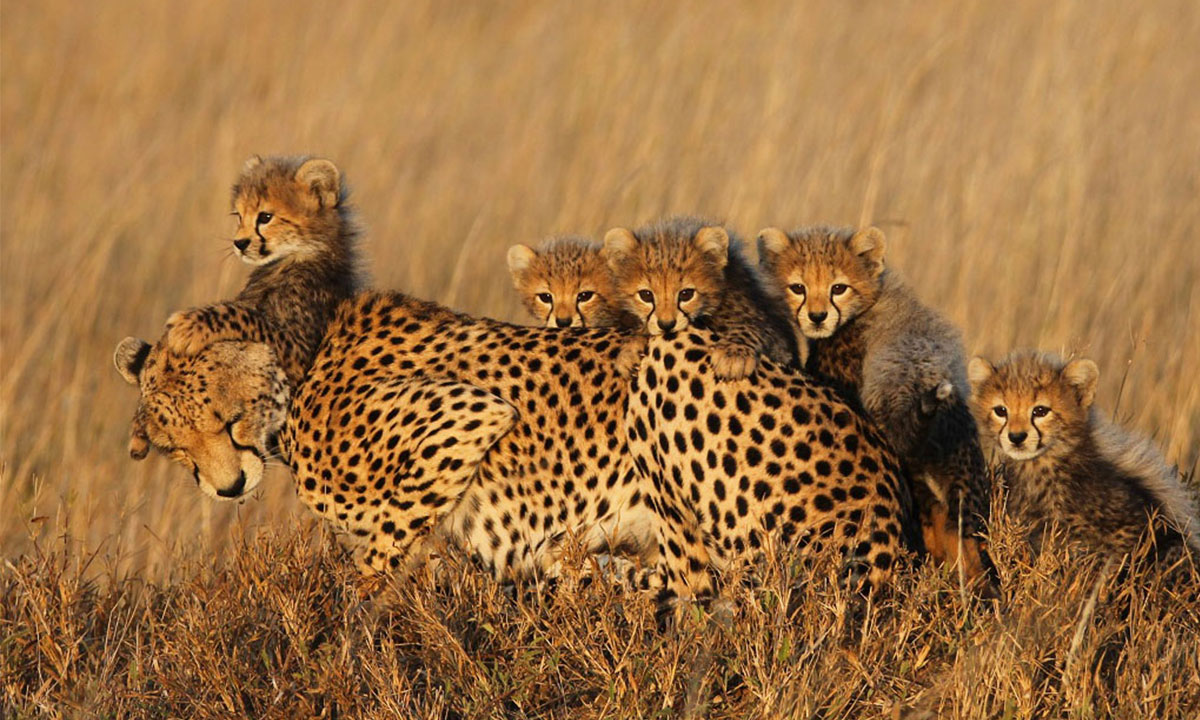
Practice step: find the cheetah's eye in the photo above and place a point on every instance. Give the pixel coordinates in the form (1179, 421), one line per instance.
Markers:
(1040, 411)
(796, 289)
(646, 296)
(686, 294)
(839, 288)
(264, 218)
(584, 296)
(545, 297)
(1001, 411)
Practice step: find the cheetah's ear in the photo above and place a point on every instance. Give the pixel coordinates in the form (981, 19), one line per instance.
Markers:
(1083, 375)
(252, 162)
(978, 371)
(772, 241)
(130, 357)
(714, 242)
(869, 245)
(936, 397)
(322, 178)
(618, 243)
(519, 258)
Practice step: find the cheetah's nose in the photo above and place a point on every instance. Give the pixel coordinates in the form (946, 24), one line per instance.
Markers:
(562, 322)
(241, 244)
(818, 318)
(1016, 438)
(666, 325)
(237, 488)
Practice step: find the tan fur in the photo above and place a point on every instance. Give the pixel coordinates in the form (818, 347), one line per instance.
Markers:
(868, 332)
(296, 227)
(685, 271)
(564, 283)
(1065, 465)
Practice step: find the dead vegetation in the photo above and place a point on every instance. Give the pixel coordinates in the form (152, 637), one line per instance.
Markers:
(281, 628)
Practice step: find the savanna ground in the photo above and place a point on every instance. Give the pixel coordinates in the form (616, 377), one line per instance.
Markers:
(1036, 166)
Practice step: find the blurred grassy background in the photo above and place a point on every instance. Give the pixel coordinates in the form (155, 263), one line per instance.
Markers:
(1037, 167)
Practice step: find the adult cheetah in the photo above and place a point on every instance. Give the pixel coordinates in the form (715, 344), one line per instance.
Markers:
(508, 441)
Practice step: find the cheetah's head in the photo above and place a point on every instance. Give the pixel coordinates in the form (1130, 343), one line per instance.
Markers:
(287, 208)
(564, 283)
(671, 275)
(827, 276)
(216, 413)
(1031, 403)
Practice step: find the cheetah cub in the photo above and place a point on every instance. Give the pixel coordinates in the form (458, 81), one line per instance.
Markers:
(684, 271)
(564, 283)
(867, 332)
(1065, 464)
(296, 228)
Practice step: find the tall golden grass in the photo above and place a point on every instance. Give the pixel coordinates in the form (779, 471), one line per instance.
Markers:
(1036, 166)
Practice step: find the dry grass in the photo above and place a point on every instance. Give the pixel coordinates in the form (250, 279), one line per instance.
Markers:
(1036, 165)
(280, 629)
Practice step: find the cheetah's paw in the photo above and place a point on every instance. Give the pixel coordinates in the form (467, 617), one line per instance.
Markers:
(733, 362)
(631, 355)
(185, 334)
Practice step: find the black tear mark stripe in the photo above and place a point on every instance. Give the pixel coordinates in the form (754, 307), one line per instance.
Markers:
(239, 446)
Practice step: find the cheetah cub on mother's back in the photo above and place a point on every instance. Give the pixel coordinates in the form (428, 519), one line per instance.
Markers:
(866, 331)
(296, 228)
(683, 271)
(564, 282)
(1066, 465)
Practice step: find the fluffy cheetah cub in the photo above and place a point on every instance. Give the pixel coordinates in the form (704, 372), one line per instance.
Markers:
(1065, 464)
(296, 228)
(684, 271)
(564, 283)
(867, 331)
